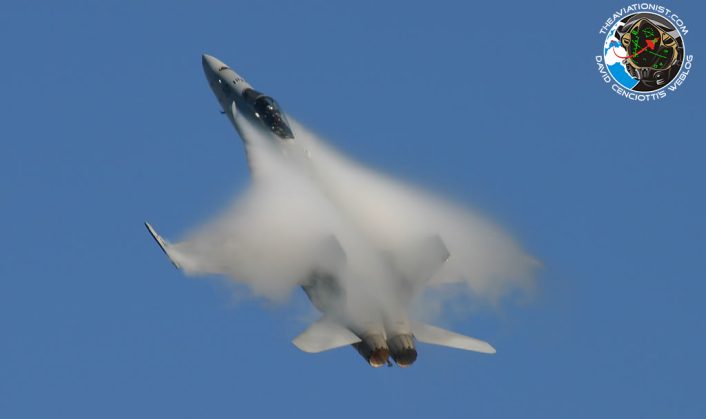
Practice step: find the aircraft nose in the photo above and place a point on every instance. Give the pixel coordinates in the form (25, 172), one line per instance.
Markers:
(211, 64)
(207, 62)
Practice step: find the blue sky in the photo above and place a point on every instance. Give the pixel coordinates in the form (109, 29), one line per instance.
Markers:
(107, 121)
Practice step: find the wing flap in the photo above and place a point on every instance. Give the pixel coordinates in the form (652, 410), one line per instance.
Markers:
(437, 336)
(324, 335)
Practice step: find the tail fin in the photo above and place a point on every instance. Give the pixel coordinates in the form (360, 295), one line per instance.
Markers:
(323, 335)
(438, 336)
(162, 244)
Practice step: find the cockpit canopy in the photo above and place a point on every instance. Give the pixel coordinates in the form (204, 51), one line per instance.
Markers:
(268, 111)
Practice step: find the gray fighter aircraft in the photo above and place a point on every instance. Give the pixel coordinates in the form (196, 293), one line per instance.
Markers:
(378, 334)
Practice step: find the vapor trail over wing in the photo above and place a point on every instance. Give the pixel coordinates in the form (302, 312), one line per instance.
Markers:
(397, 217)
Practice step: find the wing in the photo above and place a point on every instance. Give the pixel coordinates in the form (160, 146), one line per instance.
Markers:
(265, 240)
(323, 335)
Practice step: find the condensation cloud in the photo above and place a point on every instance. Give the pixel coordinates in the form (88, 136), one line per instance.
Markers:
(311, 209)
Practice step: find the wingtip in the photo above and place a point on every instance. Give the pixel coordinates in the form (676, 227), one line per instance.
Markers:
(302, 347)
(485, 348)
(156, 236)
(150, 229)
(162, 243)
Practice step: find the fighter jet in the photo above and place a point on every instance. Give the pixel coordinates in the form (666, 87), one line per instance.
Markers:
(383, 331)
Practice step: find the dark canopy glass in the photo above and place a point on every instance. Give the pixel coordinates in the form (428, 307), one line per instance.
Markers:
(269, 112)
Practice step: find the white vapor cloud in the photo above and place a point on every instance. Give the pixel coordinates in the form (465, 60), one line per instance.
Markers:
(309, 208)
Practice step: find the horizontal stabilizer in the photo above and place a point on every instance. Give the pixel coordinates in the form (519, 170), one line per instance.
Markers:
(323, 335)
(162, 244)
(438, 336)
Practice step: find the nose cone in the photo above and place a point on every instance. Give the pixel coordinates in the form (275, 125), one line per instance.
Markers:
(211, 65)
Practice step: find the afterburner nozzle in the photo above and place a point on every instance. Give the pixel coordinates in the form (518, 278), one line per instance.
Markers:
(402, 349)
(378, 357)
